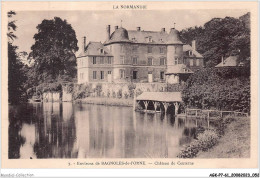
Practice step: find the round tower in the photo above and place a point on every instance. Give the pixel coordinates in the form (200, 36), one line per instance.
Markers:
(118, 45)
(174, 48)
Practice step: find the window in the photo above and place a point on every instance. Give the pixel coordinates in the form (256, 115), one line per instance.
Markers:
(180, 61)
(94, 60)
(197, 62)
(101, 60)
(134, 60)
(101, 75)
(191, 62)
(135, 48)
(162, 61)
(121, 48)
(134, 74)
(122, 73)
(149, 50)
(101, 51)
(176, 60)
(150, 39)
(94, 74)
(190, 53)
(109, 60)
(150, 61)
(82, 76)
(109, 72)
(175, 51)
(162, 75)
(122, 59)
(82, 62)
(162, 50)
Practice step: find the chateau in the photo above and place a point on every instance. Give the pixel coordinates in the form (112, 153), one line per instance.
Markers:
(138, 56)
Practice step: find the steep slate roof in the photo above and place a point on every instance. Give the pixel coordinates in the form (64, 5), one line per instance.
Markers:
(194, 52)
(178, 69)
(93, 48)
(134, 36)
(174, 37)
(231, 61)
(141, 36)
(160, 96)
(119, 35)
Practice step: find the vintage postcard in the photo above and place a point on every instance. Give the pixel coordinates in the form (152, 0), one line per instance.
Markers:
(129, 85)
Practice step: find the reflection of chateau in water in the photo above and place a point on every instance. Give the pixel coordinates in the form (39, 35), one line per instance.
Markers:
(66, 130)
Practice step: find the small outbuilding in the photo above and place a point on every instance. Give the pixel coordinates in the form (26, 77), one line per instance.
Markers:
(178, 74)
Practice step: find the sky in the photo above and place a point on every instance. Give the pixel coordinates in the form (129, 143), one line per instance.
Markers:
(92, 24)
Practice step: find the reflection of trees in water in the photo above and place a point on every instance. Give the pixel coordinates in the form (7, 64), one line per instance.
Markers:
(56, 131)
(63, 130)
(18, 116)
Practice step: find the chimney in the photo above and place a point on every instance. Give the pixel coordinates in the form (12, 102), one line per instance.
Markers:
(116, 27)
(193, 45)
(84, 44)
(138, 28)
(108, 32)
(163, 30)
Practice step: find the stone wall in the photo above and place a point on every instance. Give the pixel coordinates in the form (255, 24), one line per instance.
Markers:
(125, 90)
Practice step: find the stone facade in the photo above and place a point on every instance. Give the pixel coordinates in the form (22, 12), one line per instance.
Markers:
(135, 56)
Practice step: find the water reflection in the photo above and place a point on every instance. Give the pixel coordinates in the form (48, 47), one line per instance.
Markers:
(66, 130)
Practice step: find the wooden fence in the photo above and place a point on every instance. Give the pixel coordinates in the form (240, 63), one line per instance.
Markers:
(201, 112)
(209, 114)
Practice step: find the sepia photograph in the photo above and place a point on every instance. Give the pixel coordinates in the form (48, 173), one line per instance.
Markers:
(129, 82)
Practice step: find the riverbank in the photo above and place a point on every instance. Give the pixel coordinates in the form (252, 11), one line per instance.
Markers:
(235, 143)
(107, 101)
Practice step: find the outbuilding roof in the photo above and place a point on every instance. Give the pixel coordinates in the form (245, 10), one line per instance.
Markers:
(161, 96)
(194, 52)
(231, 61)
(178, 69)
(95, 49)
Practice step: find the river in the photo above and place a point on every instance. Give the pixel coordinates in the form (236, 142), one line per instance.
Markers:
(69, 130)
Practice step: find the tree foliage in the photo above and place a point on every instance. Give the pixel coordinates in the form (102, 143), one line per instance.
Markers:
(219, 88)
(221, 37)
(53, 51)
(16, 77)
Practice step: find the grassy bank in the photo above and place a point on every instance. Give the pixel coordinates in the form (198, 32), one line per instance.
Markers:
(107, 101)
(229, 138)
(235, 143)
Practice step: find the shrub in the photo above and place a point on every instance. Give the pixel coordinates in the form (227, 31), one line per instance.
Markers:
(119, 93)
(205, 141)
(82, 91)
(114, 94)
(131, 88)
(223, 89)
(126, 95)
(98, 89)
(108, 93)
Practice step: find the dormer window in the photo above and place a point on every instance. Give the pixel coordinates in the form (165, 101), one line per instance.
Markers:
(150, 39)
(101, 51)
(190, 53)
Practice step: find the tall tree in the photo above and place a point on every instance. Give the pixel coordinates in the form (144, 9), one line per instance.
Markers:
(16, 77)
(53, 51)
(221, 37)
